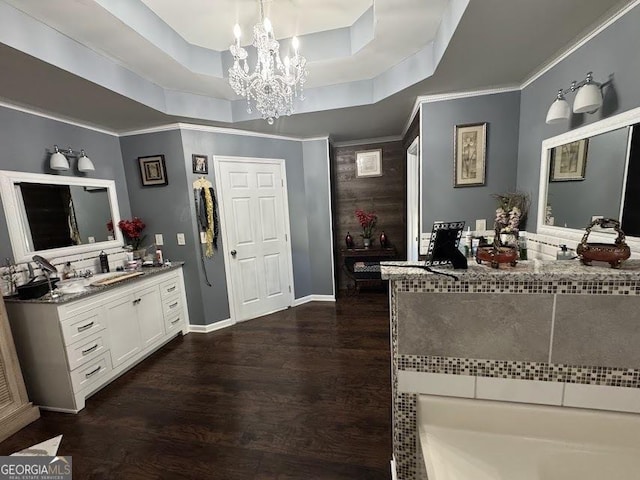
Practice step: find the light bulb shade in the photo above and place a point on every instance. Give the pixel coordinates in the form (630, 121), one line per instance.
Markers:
(588, 99)
(58, 162)
(85, 164)
(559, 111)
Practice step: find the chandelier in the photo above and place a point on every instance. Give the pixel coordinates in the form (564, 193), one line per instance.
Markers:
(274, 83)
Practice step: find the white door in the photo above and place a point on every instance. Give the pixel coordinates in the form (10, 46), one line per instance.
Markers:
(123, 328)
(254, 217)
(150, 315)
(413, 200)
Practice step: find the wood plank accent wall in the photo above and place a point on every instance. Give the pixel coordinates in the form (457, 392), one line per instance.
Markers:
(386, 195)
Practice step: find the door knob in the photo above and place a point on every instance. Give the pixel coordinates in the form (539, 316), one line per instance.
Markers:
(233, 253)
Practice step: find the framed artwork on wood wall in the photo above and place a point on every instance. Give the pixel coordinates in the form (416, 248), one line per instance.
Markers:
(369, 163)
(469, 155)
(153, 171)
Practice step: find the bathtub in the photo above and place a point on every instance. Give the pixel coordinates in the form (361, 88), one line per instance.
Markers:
(466, 439)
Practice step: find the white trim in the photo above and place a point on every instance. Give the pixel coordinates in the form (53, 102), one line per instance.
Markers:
(394, 472)
(211, 327)
(49, 116)
(589, 36)
(420, 184)
(413, 213)
(331, 232)
(217, 159)
(414, 112)
(624, 119)
(56, 409)
(467, 94)
(11, 201)
(211, 129)
(313, 298)
(365, 141)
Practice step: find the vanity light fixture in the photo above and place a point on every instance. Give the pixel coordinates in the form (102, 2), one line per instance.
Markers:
(588, 100)
(59, 160)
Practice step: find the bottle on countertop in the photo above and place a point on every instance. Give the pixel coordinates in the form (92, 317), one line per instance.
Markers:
(522, 244)
(468, 250)
(564, 253)
(66, 271)
(159, 259)
(104, 262)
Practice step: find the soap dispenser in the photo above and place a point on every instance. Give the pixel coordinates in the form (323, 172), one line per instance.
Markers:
(564, 253)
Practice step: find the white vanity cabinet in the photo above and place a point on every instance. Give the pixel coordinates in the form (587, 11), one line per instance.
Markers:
(70, 350)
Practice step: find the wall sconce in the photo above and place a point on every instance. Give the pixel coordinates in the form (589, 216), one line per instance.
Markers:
(588, 100)
(59, 160)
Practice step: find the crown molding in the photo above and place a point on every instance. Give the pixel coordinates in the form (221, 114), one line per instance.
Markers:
(582, 41)
(37, 113)
(365, 141)
(465, 94)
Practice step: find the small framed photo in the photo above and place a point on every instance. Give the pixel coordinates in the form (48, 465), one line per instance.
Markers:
(369, 163)
(153, 171)
(469, 155)
(569, 161)
(200, 164)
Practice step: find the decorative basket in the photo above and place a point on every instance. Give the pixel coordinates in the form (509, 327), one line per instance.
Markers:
(614, 254)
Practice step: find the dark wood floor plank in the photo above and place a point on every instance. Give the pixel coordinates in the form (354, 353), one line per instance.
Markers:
(300, 394)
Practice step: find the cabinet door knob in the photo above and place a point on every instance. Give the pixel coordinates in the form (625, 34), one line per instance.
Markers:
(233, 253)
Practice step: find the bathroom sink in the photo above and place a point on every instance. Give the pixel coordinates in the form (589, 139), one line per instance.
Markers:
(73, 285)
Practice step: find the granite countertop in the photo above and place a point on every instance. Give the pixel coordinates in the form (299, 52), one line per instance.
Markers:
(526, 270)
(94, 290)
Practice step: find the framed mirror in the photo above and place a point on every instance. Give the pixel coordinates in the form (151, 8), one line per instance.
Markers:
(591, 172)
(56, 216)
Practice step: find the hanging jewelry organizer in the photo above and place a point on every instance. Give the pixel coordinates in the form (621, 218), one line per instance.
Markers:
(206, 211)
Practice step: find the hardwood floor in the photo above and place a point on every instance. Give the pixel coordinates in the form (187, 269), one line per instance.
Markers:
(301, 394)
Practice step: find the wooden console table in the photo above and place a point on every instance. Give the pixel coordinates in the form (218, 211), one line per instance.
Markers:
(368, 255)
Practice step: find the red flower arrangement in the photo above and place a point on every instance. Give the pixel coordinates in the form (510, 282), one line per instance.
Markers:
(367, 221)
(132, 230)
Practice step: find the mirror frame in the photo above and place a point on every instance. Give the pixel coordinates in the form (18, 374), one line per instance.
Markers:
(16, 226)
(624, 119)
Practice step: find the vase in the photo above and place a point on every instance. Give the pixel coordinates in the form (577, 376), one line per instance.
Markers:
(349, 240)
(366, 242)
(139, 253)
(383, 240)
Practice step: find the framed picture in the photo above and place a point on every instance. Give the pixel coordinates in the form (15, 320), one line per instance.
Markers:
(369, 163)
(153, 171)
(569, 161)
(469, 155)
(200, 164)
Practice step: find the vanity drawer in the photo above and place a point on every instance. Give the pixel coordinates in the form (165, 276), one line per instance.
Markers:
(174, 322)
(87, 349)
(170, 287)
(91, 373)
(82, 326)
(171, 306)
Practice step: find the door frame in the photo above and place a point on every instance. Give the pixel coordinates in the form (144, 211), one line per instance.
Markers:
(217, 160)
(414, 190)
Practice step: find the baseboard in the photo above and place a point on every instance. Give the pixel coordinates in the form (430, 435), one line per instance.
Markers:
(394, 473)
(313, 298)
(212, 327)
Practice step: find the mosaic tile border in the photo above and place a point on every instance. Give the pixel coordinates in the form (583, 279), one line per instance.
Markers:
(405, 435)
(547, 372)
(592, 287)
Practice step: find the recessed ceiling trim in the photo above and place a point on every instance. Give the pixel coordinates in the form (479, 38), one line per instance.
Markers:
(366, 141)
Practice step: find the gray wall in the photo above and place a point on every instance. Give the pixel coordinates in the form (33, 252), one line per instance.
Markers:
(613, 52)
(25, 139)
(600, 193)
(170, 210)
(441, 201)
(318, 194)
(166, 210)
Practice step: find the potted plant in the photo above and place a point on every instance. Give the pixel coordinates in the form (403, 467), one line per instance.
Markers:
(132, 231)
(367, 221)
(511, 216)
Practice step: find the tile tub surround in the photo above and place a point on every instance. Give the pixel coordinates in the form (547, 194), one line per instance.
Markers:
(511, 331)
